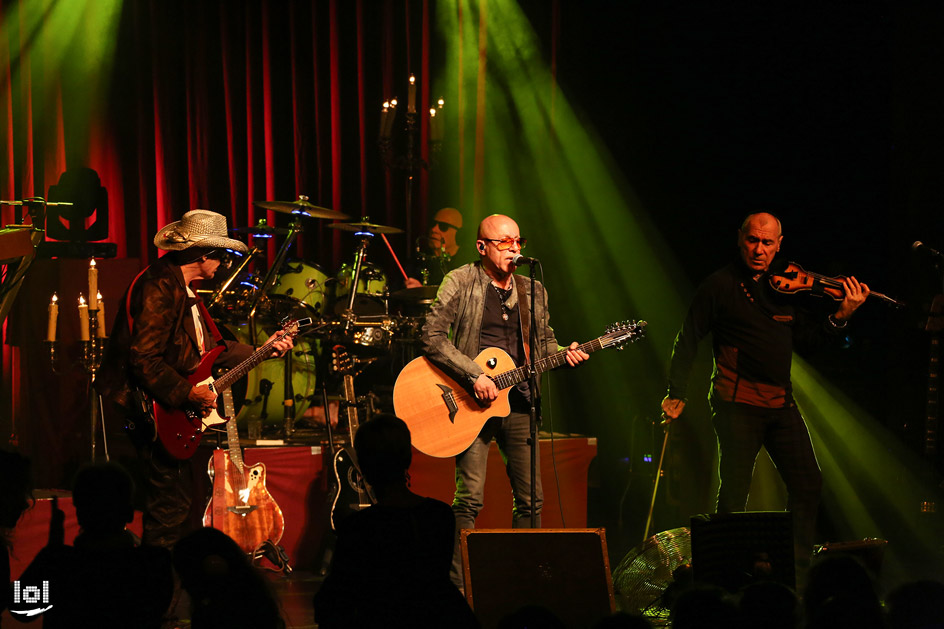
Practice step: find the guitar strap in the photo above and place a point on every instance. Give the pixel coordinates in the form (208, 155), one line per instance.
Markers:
(524, 313)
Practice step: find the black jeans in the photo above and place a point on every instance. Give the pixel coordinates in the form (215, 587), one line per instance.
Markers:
(741, 431)
(168, 496)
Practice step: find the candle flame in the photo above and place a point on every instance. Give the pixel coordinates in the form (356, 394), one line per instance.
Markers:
(441, 102)
(386, 104)
(92, 263)
(393, 102)
(99, 293)
(412, 79)
(54, 299)
(432, 112)
(81, 300)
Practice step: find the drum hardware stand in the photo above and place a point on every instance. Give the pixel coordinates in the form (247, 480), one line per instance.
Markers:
(218, 293)
(267, 284)
(359, 256)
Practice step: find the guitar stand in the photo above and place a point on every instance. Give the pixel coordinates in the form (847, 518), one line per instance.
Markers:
(274, 553)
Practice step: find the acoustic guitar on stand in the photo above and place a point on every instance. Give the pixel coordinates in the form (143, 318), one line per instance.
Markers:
(353, 492)
(241, 506)
(444, 417)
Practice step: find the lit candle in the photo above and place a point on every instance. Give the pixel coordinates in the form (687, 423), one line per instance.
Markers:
(441, 102)
(93, 285)
(53, 318)
(101, 316)
(383, 119)
(435, 128)
(411, 101)
(83, 319)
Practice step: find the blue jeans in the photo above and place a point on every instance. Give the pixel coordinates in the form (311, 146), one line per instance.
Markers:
(512, 434)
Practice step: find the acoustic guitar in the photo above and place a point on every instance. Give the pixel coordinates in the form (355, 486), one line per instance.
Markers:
(181, 429)
(445, 417)
(241, 505)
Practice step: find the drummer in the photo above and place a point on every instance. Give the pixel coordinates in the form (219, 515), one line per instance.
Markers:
(441, 251)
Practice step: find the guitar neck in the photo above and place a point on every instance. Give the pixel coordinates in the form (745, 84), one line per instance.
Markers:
(513, 376)
(349, 397)
(232, 442)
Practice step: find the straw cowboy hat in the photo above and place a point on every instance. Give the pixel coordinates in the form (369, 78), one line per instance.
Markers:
(197, 228)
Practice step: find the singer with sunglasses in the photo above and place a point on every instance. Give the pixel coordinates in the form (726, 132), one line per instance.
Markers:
(478, 306)
(161, 332)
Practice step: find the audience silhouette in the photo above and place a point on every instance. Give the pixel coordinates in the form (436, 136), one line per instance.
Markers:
(916, 605)
(104, 579)
(14, 500)
(391, 562)
(225, 589)
(841, 593)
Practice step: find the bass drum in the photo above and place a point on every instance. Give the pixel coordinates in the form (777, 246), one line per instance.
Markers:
(302, 284)
(260, 395)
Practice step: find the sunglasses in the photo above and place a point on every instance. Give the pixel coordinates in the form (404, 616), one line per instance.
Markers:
(504, 244)
(445, 226)
(223, 255)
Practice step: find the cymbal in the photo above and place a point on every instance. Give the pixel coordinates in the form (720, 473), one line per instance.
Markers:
(418, 294)
(260, 230)
(364, 226)
(301, 207)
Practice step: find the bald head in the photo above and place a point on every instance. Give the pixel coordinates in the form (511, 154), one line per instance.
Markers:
(496, 226)
(498, 262)
(763, 220)
(759, 241)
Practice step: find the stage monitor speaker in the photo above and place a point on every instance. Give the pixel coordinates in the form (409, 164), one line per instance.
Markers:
(566, 571)
(734, 549)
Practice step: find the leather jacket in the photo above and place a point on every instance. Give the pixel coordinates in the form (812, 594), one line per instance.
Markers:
(460, 305)
(162, 350)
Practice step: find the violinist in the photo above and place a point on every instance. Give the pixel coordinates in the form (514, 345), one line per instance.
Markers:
(754, 330)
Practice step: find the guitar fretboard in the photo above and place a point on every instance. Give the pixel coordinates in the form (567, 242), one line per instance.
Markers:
(513, 376)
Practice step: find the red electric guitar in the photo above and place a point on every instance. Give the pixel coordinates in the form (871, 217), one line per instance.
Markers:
(180, 429)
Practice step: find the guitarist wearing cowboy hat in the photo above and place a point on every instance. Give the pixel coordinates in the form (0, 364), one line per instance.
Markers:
(161, 332)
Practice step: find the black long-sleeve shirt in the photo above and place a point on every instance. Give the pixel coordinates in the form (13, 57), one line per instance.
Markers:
(754, 329)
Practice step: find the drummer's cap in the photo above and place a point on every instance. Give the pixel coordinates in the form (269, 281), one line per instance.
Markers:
(198, 228)
(449, 216)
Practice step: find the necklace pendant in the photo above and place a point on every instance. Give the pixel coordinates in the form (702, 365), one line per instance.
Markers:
(505, 316)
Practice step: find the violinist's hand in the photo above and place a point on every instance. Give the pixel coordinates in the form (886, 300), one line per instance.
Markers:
(671, 409)
(856, 293)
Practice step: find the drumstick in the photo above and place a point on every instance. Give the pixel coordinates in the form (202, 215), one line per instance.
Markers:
(384, 236)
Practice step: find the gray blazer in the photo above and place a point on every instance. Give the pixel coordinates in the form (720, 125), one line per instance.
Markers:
(453, 327)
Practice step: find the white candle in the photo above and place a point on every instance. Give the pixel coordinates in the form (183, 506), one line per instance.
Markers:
(101, 316)
(93, 285)
(83, 319)
(53, 318)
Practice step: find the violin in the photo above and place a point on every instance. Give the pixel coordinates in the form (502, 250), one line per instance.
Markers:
(790, 278)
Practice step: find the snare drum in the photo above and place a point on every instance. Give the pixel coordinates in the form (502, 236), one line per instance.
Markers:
(305, 284)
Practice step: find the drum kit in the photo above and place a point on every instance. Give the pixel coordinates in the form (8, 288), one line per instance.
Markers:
(353, 308)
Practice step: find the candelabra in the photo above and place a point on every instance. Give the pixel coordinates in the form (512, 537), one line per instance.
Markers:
(409, 161)
(92, 341)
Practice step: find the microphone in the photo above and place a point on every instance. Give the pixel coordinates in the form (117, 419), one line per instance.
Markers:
(920, 247)
(519, 259)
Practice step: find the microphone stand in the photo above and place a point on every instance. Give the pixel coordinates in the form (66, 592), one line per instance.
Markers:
(533, 411)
